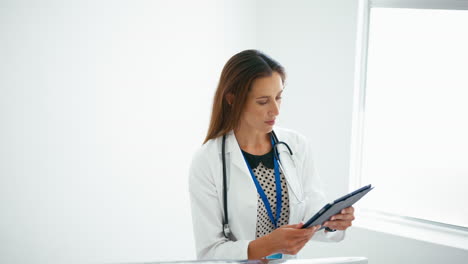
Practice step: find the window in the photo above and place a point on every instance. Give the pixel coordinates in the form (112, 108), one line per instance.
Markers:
(413, 131)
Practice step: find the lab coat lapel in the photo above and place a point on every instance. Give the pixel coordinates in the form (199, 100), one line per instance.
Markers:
(237, 159)
(242, 193)
(296, 200)
(290, 172)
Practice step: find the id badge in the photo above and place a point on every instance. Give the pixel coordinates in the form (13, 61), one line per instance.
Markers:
(275, 256)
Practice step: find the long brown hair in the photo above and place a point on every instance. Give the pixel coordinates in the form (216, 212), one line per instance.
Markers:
(236, 78)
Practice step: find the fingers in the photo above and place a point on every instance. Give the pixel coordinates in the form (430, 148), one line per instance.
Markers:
(342, 217)
(292, 238)
(338, 224)
(342, 220)
(297, 226)
(348, 210)
(346, 213)
(298, 243)
(308, 230)
(292, 235)
(305, 233)
(298, 232)
(301, 243)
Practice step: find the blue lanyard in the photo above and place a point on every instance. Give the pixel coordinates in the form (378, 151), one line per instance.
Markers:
(260, 191)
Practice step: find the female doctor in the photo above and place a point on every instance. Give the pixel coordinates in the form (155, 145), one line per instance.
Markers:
(264, 177)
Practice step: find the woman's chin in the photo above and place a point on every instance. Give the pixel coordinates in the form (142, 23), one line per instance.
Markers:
(268, 129)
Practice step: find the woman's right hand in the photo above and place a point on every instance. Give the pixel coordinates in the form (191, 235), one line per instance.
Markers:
(288, 239)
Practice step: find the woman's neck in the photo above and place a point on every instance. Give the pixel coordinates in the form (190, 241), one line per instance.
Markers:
(253, 142)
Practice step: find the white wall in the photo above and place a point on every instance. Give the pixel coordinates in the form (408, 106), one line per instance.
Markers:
(102, 106)
(315, 41)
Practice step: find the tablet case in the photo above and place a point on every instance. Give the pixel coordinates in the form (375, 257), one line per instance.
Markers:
(336, 206)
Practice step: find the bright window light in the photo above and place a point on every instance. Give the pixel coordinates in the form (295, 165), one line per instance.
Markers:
(415, 134)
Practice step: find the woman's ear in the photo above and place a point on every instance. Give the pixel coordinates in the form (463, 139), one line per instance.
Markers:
(230, 98)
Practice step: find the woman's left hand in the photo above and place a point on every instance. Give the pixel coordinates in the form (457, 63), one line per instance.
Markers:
(342, 220)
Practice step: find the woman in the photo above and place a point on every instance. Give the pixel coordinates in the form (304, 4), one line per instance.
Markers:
(258, 222)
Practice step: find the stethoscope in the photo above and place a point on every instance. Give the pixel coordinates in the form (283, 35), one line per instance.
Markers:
(275, 143)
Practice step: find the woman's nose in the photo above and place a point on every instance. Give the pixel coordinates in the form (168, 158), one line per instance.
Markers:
(275, 109)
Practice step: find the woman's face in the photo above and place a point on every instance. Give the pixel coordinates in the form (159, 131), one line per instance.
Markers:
(263, 104)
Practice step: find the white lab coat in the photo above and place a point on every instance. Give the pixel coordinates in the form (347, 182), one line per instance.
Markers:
(206, 195)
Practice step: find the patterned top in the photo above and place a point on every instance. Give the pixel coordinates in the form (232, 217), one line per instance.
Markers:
(263, 169)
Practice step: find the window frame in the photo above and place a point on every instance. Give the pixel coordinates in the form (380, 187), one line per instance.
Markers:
(434, 232)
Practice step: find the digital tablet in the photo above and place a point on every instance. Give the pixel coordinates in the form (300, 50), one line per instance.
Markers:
(336, 206)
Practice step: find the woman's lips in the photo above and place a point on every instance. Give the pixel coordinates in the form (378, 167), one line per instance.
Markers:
(272, 122)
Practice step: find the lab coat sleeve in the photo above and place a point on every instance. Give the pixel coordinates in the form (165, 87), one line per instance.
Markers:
(207, 214)
(314, 195)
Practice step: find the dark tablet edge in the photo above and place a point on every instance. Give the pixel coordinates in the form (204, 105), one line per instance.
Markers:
(328, 205)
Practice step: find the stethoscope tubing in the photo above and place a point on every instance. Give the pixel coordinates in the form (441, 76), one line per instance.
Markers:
(276, 143)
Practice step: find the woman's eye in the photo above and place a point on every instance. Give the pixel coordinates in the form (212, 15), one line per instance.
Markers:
(262, 102)
(279, 98)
